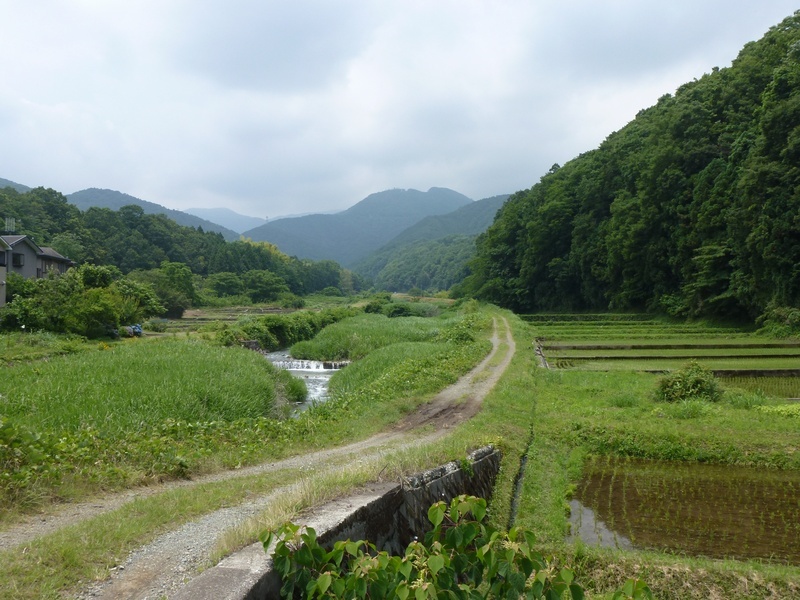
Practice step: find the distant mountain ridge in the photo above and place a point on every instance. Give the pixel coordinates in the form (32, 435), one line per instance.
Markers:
(4, 183)
(349, 236)
(227, 218)
(114, 200)
(432, 253)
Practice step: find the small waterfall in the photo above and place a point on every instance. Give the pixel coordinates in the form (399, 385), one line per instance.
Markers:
(315, 373)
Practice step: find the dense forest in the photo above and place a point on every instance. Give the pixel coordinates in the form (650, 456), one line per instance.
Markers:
(427, 265)
(184, 265)
(692, 209)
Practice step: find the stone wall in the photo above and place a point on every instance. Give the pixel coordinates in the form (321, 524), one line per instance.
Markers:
(401, 515)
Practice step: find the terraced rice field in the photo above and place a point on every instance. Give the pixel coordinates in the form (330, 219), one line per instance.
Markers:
(633, 342)
(700, 507)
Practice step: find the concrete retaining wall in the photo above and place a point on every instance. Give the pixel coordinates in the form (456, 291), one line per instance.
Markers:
(388, 515)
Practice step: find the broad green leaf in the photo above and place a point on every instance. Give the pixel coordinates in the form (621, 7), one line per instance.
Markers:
(436, 514)
(405, 568)
(576, 591)
(324, 582)
(479, 511)
(352, 548)
(267, 538)
(435, 563)
(402, 591)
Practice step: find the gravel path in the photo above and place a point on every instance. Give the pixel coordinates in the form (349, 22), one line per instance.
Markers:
(156, 570)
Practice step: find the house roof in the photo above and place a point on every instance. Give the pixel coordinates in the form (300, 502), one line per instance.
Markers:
(53, 255)
(13, 240)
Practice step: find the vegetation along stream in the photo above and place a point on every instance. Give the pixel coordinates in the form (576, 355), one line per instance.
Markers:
(698, 509)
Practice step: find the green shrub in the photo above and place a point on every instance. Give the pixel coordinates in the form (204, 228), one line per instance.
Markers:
(375, 306)
(461, 557)
(331, 290)
(692, 382)
(155, 325)
(780, 321)
(783, 410)
(397, 310)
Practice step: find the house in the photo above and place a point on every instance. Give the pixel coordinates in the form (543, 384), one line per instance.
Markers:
(20, 254)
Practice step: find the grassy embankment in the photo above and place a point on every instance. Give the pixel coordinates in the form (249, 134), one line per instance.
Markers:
(183, 377)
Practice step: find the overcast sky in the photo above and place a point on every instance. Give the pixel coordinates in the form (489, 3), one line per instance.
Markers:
(279, 107)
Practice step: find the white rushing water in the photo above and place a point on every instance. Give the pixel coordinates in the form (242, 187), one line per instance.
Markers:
(316, 374)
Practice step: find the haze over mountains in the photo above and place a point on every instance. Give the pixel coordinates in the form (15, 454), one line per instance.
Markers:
(351, 235)
(227, 218)
(433, 252)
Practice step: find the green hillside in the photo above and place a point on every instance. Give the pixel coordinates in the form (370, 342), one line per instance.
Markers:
(433, 253)
(350, 235)
(432, 265)
(114, 200)
(693, 208)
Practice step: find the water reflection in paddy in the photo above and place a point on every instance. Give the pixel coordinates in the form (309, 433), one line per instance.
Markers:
(697, 509)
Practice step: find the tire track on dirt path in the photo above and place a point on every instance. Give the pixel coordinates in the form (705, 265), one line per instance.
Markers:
(154, 570)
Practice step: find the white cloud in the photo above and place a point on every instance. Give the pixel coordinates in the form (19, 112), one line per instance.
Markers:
(285, 107)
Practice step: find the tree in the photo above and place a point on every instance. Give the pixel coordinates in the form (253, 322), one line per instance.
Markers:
(87, 300)
(264, 286)
(225, 284)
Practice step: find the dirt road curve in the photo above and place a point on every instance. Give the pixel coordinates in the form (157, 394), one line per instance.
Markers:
(161, 567)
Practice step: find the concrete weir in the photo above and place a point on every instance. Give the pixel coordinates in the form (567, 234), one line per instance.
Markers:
(390, 515)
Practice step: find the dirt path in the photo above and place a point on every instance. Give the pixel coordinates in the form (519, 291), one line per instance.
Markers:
(155, 570)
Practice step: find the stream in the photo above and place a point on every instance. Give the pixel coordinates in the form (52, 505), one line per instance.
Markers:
(317, 374)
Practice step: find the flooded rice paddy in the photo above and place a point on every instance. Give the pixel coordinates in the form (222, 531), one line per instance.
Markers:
(693, 509)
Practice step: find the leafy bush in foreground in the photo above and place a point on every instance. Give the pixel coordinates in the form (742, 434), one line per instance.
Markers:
(461, 557)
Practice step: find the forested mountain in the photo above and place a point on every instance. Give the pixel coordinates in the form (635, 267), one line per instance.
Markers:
(431, 265)
(350, 235)
(132, 240)
(692, 208)
(95, 197)
(433, 253)
(4, 183)
(227, 218)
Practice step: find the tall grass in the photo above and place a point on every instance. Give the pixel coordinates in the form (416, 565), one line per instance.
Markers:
(140, 383)
(24, 346)
(357, 337)
(138, 410)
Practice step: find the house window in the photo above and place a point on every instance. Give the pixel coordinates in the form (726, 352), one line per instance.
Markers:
(2, 259)
(18, 260)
